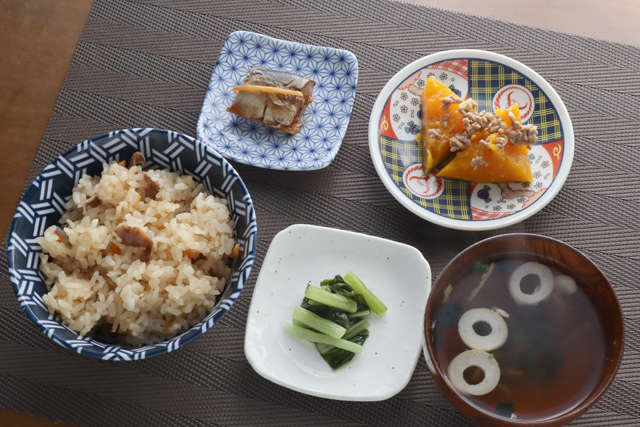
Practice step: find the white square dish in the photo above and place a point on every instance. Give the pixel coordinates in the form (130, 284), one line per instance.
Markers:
(304, 254)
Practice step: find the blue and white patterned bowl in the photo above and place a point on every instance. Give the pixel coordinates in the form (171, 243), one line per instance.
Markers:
(43, 204)
(325, 121)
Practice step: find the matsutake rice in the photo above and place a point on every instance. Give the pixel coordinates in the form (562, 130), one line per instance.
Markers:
(142, 254)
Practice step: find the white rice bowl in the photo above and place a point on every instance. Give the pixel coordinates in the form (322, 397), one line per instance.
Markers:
(95, 280)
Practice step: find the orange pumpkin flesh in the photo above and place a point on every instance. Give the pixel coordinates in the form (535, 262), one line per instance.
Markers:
(436, 150)
(503, 165)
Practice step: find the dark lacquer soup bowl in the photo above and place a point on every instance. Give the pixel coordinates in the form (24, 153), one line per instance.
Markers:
(524, 330)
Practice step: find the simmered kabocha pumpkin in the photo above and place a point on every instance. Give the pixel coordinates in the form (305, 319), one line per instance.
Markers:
(437, 149)
(490, 162)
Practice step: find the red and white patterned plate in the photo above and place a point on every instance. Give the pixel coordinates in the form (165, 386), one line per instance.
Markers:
(494, 81)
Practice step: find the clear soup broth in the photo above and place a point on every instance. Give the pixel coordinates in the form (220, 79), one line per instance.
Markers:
(554, 354)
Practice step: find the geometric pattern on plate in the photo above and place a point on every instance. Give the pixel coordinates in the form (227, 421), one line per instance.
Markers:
(325, 121)
(491, 200)
(488, 78)
(406, 102)
(43, 204)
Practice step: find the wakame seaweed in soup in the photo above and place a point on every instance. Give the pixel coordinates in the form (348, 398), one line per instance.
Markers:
(554, 352)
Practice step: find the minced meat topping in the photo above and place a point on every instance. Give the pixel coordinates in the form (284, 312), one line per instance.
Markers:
(500, 142)
(468, 105)
(520, 134)
(451, 99)
(478, 161)
(459, 142)
(433, 133)
(473, 121)
(477, 121)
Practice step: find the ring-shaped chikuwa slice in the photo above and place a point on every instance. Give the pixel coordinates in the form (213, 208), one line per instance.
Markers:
(542, 291)
(480, 359)
(495, 339)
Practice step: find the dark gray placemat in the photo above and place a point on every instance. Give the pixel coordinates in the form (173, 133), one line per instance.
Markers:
(148, 63)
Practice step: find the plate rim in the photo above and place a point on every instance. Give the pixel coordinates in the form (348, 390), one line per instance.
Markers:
(471, 225)
(229, 156)
(251, 354)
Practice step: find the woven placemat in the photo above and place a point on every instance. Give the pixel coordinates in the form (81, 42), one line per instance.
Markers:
(148, 64)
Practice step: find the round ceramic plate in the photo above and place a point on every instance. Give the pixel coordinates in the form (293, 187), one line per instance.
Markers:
(493, 81)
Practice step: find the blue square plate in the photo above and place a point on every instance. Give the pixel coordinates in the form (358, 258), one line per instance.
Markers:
(325, 121)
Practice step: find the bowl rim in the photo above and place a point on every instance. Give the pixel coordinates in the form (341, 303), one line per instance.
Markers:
(547, 196)
(463, 406)
(158, 348)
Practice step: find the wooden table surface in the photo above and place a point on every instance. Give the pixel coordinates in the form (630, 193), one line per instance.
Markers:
(38, 38)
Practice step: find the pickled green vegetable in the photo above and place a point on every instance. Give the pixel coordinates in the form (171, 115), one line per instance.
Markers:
(362, 313)
(333, 316)
(316, 337)
(373, 301)
(318, 323)
(330, 299)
